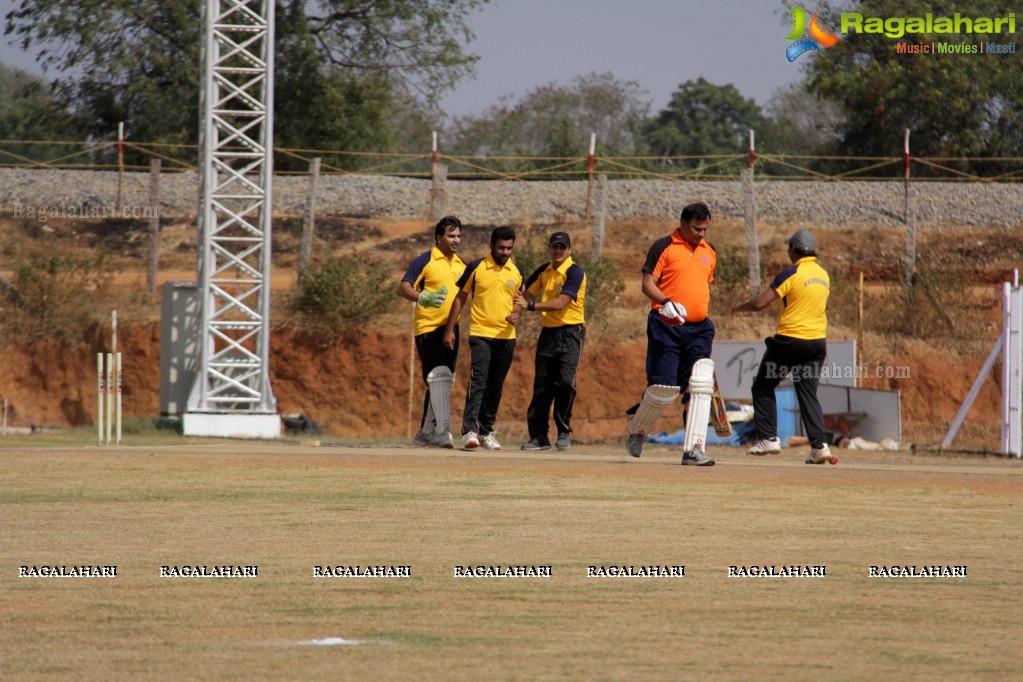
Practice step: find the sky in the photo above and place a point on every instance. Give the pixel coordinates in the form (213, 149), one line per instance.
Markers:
(660, 44)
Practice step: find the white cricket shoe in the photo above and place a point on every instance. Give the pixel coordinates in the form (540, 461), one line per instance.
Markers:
(765, 446)
(489, 442)
(821, 455)
(470, 441)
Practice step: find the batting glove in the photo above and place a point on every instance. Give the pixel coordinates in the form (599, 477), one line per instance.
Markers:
(433, 299)
(672, 313)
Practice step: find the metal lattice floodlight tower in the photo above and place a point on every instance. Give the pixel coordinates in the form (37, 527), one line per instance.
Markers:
(231, 395)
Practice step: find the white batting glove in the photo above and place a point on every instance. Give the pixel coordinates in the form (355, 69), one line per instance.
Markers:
(433, 299)
(672, 313)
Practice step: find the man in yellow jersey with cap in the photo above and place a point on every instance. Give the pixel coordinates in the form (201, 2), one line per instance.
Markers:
(558, 293)
(493, 283)
(798, 349)
(429, 282)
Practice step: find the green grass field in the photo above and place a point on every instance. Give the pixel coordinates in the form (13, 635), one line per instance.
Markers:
(289, 508)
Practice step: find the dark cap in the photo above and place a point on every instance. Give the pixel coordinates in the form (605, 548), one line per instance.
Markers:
(802, 240)
(560, 238)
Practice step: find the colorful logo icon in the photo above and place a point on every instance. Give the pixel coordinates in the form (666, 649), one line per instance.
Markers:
(818, 36)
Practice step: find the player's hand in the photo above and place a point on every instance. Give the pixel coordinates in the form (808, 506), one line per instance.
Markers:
(672, 313)
(449, 339)
(433, 299)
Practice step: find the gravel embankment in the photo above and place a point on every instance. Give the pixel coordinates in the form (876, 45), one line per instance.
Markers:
(25, 192)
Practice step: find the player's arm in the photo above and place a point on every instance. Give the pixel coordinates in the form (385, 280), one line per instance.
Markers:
(557, 303)
(765, 299)
(456, 311)
(672, 312)
(408, 292)
(650, 288)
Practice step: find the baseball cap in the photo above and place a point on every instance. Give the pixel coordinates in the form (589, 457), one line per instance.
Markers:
(802, 240)
(560, 238)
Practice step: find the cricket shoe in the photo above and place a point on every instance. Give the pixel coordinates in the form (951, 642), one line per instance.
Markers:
(765, 446)
(470, 441)
(697, 458)
(634, 444)
(489, 442)
(563, 442)
(821, 455)
(537, 444)
(443, 440)
(422, 439)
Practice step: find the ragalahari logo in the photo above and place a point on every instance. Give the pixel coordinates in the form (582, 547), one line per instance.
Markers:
(818, 36)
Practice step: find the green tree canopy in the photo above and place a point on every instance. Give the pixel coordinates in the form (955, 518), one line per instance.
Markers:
(343, 66)
(556, 120)
(703, 119)
(30, 112)
(953, 104)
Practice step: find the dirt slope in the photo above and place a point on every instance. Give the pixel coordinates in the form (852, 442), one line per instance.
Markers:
(358, 386)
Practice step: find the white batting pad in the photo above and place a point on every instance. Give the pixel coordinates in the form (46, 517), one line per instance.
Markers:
(655, 399)
(701, 388)
(440, 380)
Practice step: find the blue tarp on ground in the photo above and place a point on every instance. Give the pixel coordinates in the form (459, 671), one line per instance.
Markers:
(744, 433)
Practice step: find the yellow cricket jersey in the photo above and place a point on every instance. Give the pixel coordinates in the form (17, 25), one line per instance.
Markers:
(550, 282)
(492, 288)
(803, 289)
(429, 271)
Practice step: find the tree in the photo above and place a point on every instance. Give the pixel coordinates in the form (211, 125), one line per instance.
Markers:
(703, 119)
(30, 112)
(556, 121)
(954, 105)
(341, 63)
(799, 122)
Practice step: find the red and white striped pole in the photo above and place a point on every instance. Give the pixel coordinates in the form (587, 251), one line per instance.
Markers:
(752, 149)
(433, 169)
(593, 149)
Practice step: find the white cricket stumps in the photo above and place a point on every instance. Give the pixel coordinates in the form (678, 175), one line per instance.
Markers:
(108, 412)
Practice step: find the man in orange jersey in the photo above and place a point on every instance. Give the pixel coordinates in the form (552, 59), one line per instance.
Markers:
(676, 278)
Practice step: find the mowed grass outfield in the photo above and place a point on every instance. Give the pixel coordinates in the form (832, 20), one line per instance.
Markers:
(288, 508)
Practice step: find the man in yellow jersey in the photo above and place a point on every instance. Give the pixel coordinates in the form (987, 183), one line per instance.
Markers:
(560, 286)
(493, 283)
(429, 282)
(676, 278)
(797, 349)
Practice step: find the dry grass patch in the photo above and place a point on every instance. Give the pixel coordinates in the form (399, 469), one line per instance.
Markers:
(287, 509)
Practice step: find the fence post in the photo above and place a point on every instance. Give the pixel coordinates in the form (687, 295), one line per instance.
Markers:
(910, 257)
(154, 227)
(309, 217)
(910, 219)
(438, 192)
(589, 177)
(752, 243)
(120, 163)
(598, 217)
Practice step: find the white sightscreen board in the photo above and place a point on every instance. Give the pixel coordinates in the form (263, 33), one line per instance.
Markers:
(883, 408)
(736, 364)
